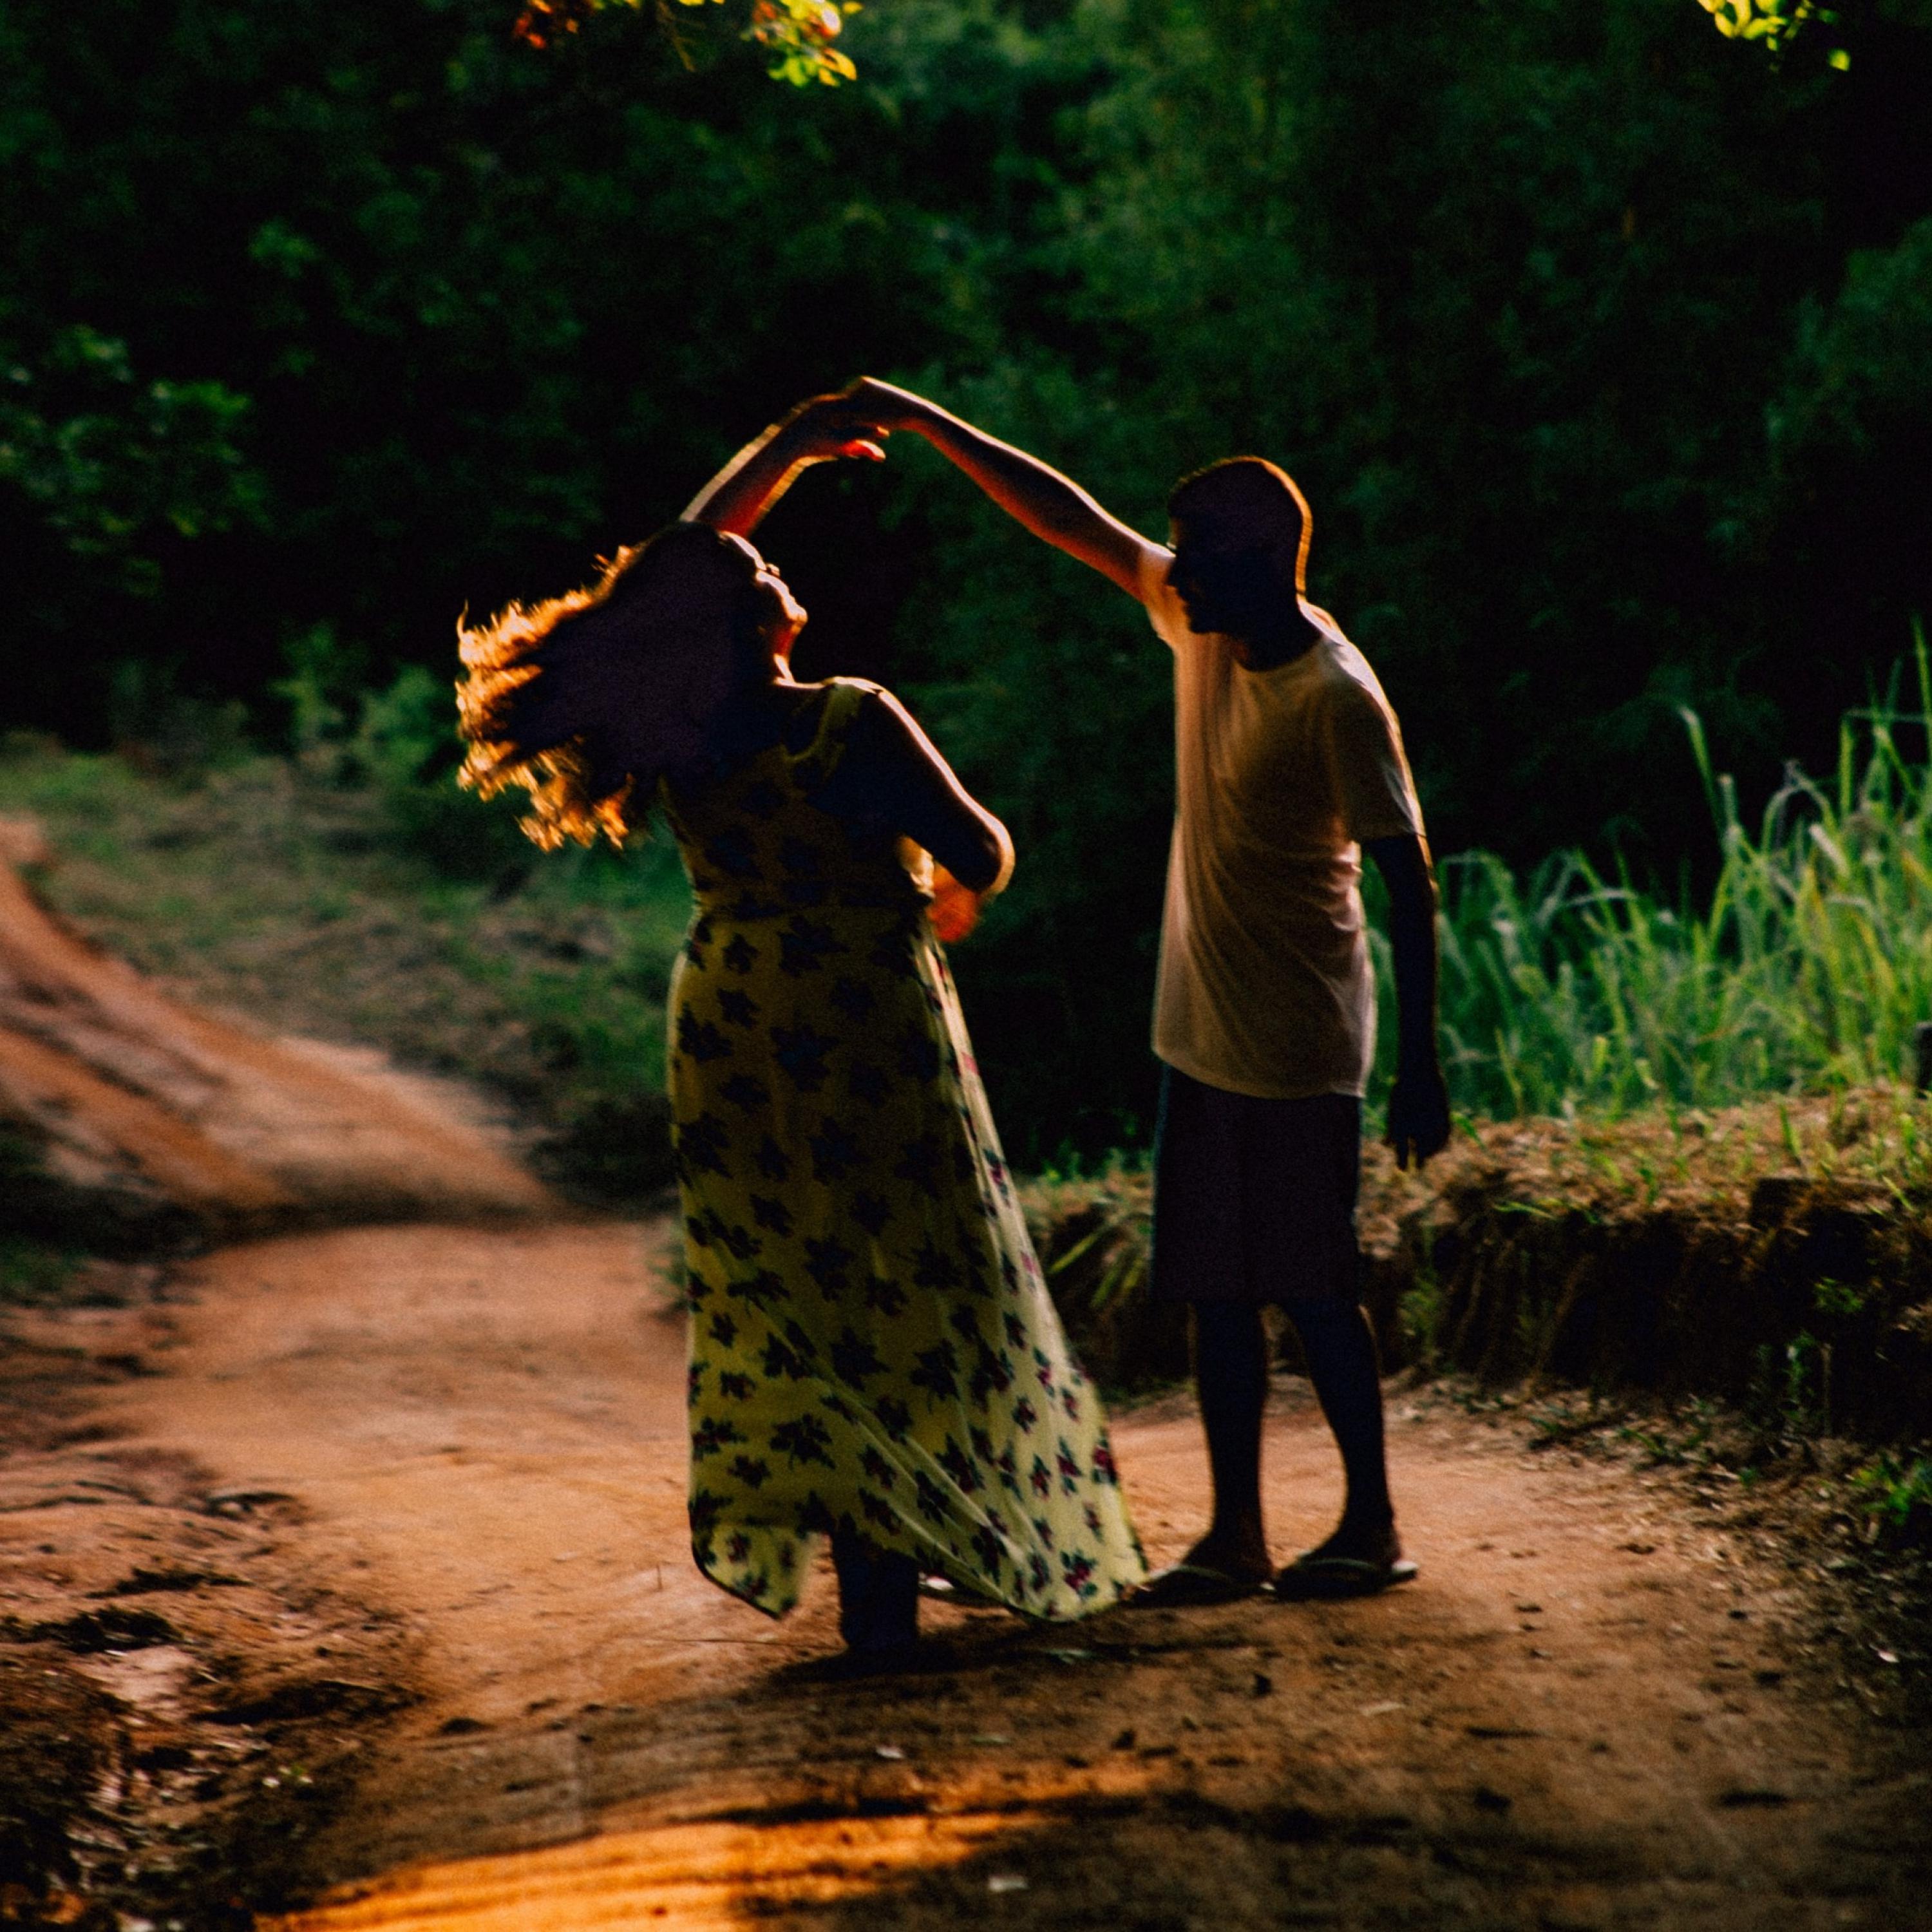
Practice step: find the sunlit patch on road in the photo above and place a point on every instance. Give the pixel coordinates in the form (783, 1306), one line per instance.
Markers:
(694, 1876)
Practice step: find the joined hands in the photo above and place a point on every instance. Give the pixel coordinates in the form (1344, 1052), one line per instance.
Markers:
(824, 427)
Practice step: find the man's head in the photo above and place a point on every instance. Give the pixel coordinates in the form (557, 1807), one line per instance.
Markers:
(1241, 530)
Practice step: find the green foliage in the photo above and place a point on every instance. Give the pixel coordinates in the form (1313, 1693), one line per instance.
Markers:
(1839, 1297)
(1806, 967)
(1771, 22)
(398, 748)
(320, 686)
(1685, 1442)
(1851, 423)
(487, 313)
(1596, 341)
(1895, 1493)
(1790, 1396)
(797, 34)
(109, 461)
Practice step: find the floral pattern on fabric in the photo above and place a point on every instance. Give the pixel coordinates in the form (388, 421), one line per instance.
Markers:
(872, 1345)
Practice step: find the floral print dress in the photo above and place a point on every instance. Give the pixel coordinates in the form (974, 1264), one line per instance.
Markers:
(872, 1346)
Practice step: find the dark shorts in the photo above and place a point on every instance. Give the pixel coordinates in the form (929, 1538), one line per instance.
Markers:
(1254, 1200)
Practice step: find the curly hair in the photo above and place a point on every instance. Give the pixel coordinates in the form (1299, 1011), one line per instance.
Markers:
(586, 699)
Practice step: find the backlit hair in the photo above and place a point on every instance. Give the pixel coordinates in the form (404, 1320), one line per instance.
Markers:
(585, 700)
(1252, 490)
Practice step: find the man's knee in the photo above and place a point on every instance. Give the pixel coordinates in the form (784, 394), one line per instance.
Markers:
(1329, 1323)
(1230, 1343)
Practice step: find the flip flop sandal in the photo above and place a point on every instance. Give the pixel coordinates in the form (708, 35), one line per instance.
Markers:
(1184, 1586)
(1332, 1579)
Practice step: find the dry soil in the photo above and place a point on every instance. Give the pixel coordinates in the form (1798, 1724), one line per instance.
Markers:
(1594, 1709)
(356, 1558)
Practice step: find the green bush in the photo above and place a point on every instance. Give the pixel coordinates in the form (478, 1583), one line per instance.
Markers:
(1895, 1493)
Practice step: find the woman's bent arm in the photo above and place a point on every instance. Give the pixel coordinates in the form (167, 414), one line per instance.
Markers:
(892, 772)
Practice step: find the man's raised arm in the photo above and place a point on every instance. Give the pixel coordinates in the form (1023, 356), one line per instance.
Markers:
(1051, 505)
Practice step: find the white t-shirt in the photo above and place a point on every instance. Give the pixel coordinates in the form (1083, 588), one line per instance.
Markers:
(1265, 986)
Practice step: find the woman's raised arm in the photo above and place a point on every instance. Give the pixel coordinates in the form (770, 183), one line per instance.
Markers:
(818, 431)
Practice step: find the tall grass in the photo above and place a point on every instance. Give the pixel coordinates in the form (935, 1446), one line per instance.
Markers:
(1805, 968)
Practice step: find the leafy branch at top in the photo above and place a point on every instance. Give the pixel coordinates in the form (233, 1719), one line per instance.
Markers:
(1772, 22)
(798, 34)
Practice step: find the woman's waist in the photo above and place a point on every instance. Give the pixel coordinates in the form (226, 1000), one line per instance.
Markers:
(873, 903)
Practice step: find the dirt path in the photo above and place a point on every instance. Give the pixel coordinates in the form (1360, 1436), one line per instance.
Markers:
(361, 1555)
(162, 1116)
(1593, 1710)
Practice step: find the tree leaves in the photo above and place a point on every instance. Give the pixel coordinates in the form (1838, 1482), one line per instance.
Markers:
(109, 461)
(798, 35)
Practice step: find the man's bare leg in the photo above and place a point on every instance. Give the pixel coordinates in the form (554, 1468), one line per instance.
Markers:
(1340, 1348)
(1230, 1376)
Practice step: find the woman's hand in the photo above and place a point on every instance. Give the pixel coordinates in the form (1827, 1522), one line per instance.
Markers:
(884, 406)
(827, 427)
(955, 908)
(818, 431)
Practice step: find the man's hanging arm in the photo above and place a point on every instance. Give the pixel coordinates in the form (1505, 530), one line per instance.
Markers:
(1418, 1107)
(1054, 507)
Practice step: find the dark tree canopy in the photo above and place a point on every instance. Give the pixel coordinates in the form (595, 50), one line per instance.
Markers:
(1599, 340)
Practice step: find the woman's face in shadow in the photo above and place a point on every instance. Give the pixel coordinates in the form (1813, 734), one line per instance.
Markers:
(772, 614)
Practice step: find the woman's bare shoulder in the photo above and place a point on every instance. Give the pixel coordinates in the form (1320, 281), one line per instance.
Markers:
(875, 713)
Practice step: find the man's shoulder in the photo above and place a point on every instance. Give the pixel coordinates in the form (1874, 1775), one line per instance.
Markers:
(1151, 571)
(1348, 679)
(1158, 597)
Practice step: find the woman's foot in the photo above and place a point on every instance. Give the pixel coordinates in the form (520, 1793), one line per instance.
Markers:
(878, 1601)
(888, 1661)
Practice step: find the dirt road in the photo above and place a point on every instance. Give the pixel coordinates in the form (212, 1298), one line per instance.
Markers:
(1591, 1711)
(359, 1556)
(172, 1120)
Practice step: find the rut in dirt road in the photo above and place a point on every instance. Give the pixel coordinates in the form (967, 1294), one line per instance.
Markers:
(1593, 1710)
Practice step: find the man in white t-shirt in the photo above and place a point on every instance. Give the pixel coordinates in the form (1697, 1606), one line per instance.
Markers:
(1289, 765)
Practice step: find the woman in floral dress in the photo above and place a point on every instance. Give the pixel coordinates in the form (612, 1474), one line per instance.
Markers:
(874, 1355)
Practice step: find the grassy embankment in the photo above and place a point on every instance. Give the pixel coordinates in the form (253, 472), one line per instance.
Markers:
(1685, 1162)
(351, 892)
